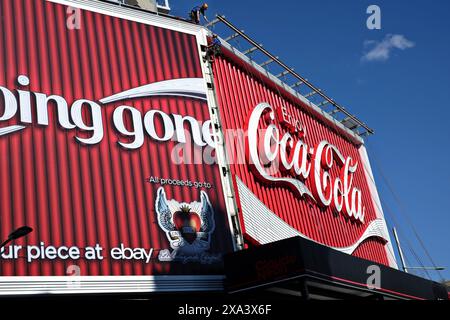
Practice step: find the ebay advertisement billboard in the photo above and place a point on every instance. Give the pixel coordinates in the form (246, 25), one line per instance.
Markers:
(96, 110)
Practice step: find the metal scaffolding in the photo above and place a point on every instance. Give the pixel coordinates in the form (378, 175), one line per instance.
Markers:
(294, 80)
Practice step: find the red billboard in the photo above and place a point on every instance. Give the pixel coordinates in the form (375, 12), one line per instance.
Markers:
(297, 171)
(95, 103)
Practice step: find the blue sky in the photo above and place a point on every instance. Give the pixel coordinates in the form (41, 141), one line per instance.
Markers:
(402, 90)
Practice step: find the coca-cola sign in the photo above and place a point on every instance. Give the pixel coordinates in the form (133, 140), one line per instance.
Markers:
(280, 156)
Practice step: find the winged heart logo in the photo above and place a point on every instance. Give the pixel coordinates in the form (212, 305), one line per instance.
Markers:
(188, 227)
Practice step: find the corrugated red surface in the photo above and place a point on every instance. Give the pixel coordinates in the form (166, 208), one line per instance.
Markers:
(240, 90)
(83, 195)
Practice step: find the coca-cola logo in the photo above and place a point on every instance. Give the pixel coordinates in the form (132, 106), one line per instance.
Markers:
(33, 107)
(281, 157)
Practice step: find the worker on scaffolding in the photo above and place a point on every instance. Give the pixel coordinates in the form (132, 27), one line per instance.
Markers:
(214, 49)
(197, 11)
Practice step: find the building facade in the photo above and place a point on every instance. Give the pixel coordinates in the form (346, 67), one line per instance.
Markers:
(140, 165)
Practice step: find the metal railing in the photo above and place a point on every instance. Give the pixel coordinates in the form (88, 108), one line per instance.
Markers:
(337, 111)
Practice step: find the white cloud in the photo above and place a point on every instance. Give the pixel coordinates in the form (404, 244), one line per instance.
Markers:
(381, 50)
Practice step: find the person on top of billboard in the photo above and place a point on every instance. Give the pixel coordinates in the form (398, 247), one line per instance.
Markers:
(214, 49)
(197, 11)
